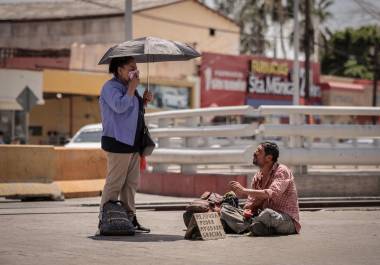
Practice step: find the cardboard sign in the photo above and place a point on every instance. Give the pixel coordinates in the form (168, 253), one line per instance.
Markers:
(209, 225)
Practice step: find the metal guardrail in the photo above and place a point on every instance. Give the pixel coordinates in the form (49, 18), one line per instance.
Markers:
(197, 138)
(234, 130)
(320, 131)
(202, 112)
(319, 110)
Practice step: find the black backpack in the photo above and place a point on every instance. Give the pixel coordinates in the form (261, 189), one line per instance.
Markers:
(115, 220)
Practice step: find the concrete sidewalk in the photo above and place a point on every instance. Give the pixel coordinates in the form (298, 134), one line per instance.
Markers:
(63, 233)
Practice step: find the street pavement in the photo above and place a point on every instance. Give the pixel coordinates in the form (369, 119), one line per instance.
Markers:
(63, 233)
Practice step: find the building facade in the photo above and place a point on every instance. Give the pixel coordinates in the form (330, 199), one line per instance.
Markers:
(62, 41)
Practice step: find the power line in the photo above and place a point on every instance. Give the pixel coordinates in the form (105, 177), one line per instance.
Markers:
(176, 22)
(102, 4)
(368, 8)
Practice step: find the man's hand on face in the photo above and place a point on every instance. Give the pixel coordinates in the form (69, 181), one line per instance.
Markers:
(237, 187)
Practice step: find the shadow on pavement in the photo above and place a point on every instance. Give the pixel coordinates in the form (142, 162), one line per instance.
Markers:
(140, 238)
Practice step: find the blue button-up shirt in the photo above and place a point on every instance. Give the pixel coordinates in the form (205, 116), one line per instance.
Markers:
(119, 112)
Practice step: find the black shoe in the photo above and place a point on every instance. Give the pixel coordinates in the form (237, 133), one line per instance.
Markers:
(138, 226)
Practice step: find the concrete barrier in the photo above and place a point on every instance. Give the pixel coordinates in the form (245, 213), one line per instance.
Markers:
(346, 184)
(311, 185)
(81, 188)
(80, 164)
(183, 185)
(28, 171)
(27, 163)
(47, 171)
(80, 172)
(26, 190)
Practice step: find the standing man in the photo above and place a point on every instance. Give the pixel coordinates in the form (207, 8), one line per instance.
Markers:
(272, 204)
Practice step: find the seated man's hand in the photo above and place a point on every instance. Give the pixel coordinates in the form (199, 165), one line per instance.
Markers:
(248, 205)
(237, 188)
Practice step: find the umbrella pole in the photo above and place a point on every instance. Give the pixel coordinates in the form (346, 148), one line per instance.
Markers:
(147, 71)
(147, 78)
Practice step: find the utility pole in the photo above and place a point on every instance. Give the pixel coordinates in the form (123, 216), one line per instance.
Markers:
(296, 63)
(275, 48)
(128, 20)
(307, 42)
(376, 70)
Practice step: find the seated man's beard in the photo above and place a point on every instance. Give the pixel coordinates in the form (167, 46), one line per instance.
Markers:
(255, 162)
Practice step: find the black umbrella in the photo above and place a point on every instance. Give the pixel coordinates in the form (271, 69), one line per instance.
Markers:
(151, 49)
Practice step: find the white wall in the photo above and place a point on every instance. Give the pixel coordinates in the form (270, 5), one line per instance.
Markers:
(12, 82)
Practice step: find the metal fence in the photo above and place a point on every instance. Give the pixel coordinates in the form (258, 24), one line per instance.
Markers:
(228, 136)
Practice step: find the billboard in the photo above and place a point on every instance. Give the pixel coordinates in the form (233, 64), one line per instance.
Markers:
(270, 82)
(223, 80)
(231, 80)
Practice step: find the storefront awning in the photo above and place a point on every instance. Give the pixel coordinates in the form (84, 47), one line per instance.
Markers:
(73, 82)
(9, 104)
(343, 86)
(90, 83)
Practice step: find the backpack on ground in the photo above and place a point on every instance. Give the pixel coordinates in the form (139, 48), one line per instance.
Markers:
(115, 221)
(208, 202)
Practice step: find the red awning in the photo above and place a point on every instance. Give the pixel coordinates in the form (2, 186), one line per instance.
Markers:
(342, 86)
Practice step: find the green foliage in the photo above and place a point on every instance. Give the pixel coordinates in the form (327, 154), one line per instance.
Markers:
(251, 17)
(350, 52)
(255, 16)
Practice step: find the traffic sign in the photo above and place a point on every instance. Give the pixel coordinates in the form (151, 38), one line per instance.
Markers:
(27, 99)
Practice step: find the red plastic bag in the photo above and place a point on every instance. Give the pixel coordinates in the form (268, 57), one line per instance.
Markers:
(142, 163)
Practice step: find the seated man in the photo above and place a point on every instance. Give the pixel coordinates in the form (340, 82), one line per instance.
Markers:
(272, 200)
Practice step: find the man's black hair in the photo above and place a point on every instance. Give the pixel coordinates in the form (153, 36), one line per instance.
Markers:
(272, 149)
(118, 62)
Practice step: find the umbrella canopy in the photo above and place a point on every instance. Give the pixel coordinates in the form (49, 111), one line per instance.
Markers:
(150, 50)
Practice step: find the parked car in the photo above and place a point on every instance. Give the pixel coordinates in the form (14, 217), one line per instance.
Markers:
(362, 141)
(173, 98)
(88, 136)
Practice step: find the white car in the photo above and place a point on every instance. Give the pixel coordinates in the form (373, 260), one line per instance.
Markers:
(173, 98)
(88, 136)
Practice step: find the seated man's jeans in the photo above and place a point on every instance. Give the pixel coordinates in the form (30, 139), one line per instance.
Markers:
(268, 222)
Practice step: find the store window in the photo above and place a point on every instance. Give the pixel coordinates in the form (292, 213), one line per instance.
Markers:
(19, 129)
(168, 97)
(12, 124)
(6, 117)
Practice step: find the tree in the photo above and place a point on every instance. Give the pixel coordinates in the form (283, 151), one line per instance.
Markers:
(250, 15)
(320, 14)
(278, 15)
(255, 16)
(348, 52)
